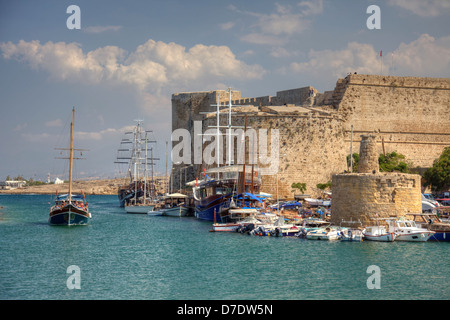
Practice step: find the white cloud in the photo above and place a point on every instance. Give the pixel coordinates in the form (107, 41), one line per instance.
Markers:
(423, 8)
(227, 25)
(152, 67)
(426, 57)
(356, 57)
(54, 123)
(276, 28)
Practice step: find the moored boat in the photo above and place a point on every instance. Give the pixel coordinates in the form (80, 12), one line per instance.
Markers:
(175, 205)
(327, 233)
(407, 230)
(378, 233)
(351, 234)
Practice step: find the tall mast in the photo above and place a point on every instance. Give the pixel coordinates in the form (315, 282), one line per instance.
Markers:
(71, 154)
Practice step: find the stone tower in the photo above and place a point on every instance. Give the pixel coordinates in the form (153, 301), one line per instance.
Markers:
(371, 194)
(368, 154)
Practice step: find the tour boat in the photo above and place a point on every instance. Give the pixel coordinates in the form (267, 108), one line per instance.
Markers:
(70, 209)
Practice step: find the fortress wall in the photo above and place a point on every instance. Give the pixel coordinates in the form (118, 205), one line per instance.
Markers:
(311, 148)
(411, 115)
(292, 96)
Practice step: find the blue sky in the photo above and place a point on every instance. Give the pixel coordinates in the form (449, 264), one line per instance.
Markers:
(129, 57)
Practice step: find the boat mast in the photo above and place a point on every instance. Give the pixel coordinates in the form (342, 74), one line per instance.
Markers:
(71, 154)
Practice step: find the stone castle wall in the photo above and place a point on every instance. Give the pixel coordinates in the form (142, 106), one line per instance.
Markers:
(410, 116)
(311, 147)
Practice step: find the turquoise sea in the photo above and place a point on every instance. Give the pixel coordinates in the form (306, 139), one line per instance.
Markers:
(123, 256)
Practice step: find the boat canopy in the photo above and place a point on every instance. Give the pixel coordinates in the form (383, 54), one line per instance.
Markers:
(176, 195)
(64, 197)
(251, 196)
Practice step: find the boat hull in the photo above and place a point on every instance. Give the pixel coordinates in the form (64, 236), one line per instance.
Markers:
(414, 236)
(225, 227)
(388, 237)
(69, 215)
(175, 212)
(440, 236)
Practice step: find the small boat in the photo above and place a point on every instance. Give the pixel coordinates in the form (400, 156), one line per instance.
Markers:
(407, 230)
(175, 205)
(225, 227)
(351, 234)
(327, 233)
(378, 233)
(70, 209)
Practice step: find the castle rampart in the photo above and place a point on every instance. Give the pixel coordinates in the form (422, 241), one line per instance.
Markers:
(409, 115)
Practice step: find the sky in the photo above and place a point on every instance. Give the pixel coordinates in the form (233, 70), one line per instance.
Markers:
(129, 57)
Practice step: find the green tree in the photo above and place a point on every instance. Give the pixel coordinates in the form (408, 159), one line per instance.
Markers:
(438, 176)
(393, 162)
(388, 163)
(355, 162)
(300, 186)
(323, 186)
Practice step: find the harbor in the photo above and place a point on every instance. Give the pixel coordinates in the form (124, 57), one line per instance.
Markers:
(180, 152)
(129, 256)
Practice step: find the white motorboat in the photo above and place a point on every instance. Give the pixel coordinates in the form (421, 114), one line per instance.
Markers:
(327, 233)
(378, 233)
(351, 234)
(407, 230)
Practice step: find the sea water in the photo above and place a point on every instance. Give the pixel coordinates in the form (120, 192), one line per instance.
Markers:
(134, 256)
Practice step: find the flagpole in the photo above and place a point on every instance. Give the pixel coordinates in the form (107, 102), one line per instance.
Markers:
(381, 60)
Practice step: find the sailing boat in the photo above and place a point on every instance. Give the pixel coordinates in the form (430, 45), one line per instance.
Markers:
(70, 209)
(213, 197)
(137, 196)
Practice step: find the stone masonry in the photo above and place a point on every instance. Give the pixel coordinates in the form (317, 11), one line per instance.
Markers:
(409, 115)
(369, 194)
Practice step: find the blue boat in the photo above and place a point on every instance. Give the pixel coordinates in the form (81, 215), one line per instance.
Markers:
(214, 197)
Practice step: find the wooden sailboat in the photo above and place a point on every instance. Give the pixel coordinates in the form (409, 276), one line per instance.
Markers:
(70, 209)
